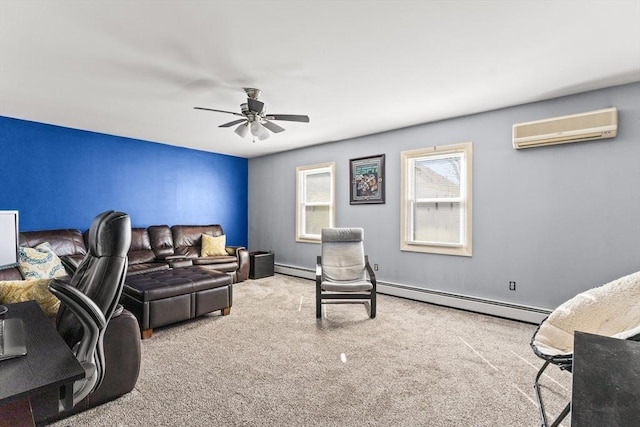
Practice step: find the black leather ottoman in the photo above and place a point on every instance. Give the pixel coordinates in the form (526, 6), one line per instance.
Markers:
(161, 298)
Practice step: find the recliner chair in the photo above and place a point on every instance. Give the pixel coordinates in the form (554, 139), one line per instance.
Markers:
(90, 298)
(343, 273)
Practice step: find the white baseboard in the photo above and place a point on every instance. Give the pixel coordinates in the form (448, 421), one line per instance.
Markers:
(289, 270)
(519, 312)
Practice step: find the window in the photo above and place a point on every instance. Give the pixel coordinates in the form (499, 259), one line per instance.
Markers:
(314, 200)
(436, 200)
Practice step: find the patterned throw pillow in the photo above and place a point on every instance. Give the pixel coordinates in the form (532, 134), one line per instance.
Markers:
(39, 262)
(13, 291)
(213, 246)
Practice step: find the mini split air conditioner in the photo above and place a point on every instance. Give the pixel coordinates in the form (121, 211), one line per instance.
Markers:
(597, 124)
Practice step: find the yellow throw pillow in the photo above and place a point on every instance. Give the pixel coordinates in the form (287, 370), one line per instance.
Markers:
(213, 246)
(13, 291)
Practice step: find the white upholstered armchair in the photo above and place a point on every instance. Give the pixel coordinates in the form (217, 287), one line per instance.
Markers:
(343, 273)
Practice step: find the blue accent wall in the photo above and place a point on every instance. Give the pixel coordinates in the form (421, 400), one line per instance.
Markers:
(58, 177)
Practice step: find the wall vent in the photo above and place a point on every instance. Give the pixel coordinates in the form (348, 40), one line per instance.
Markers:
(599, 124)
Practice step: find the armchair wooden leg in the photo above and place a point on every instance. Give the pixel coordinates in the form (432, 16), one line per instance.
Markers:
(318, 301)
(373, 308)
(226, 311)
(146, 333)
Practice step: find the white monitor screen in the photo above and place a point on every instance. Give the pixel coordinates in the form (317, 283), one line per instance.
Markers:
(8, 239)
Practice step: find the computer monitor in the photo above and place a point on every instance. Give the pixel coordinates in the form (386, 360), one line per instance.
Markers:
(8, 239)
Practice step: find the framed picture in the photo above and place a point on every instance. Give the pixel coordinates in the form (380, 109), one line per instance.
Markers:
(367, 180)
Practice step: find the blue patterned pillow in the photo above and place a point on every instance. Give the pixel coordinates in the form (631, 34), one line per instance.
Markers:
(39, 262)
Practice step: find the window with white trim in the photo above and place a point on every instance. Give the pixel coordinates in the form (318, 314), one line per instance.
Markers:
(436, 200)
(315, 188)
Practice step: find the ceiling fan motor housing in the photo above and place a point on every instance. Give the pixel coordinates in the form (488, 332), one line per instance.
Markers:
(253, 93)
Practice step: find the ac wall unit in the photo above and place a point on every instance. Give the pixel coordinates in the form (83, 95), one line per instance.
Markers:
(589, 126)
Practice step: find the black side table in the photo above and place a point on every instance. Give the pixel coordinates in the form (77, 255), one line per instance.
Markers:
(606, 374)
(260, 264)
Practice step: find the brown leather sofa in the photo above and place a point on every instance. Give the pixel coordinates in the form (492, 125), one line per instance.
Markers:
(121, 339)
(168, 281)
(184, 242)
(160, 247)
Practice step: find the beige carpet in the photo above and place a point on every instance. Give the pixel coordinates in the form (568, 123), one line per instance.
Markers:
(270, 363)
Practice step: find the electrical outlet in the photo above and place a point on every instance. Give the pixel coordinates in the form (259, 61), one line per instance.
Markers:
(375, 267)
(512, 286)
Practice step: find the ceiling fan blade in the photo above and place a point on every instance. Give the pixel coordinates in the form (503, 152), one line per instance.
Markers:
(235, 122)
(289, 117)
(272, 127)
(218, 111)
(255, 105)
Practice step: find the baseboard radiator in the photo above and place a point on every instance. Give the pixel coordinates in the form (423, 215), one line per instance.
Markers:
(480, 305)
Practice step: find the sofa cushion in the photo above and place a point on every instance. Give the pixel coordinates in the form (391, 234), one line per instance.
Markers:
(39, 262)
(10, 274)
(161, 240)
(213, 246)
(140, 250)
(187, 239)
(14, 291)
(63, 241)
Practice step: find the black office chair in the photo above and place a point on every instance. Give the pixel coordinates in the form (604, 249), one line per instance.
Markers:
(343, 273)
(90, 298)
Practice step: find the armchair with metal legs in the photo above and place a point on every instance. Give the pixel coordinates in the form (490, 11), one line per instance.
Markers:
(612, 310)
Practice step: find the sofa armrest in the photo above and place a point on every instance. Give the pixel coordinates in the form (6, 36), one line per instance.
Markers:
(169, 258)
(242, 254)
(181, 262)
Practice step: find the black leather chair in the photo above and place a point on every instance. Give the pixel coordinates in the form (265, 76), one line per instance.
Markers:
(89, 300)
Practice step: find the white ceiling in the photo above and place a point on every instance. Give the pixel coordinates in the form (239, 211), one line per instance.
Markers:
(137, 69)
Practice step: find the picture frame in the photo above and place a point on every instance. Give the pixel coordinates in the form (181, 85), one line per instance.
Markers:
(367, 180)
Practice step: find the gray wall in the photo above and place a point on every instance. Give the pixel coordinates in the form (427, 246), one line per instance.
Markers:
(557, 220)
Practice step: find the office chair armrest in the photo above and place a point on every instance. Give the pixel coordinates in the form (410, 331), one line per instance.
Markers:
(81, 305)
(89, 352)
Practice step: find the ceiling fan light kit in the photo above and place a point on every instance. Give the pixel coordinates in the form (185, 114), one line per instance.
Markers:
(259, 131)
(255, 118)
(242, 129)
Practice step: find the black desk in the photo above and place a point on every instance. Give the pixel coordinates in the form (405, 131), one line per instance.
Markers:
(49, 363)
(606, 381)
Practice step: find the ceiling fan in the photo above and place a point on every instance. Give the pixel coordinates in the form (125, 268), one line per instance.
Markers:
(255, 118)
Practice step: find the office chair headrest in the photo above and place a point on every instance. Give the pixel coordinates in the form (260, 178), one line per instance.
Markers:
(342, 234)
(106, 234)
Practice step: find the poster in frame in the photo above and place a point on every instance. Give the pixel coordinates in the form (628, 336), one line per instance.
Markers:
(367, 180)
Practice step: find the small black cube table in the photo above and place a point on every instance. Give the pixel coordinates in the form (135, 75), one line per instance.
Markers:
(260, 264)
